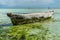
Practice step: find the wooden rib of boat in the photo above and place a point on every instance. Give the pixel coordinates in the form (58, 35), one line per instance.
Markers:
(29, 17)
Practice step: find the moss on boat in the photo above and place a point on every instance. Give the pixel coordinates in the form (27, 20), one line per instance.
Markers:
(19, 19)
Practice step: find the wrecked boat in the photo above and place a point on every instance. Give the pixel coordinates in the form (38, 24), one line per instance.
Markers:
(29, 17)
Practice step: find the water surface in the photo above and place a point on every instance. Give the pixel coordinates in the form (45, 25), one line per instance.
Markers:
(54, 26)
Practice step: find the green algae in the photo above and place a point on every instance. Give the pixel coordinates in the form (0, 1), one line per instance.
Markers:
(18, 21)
(33, 31)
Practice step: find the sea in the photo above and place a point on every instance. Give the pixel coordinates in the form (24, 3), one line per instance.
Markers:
(54, 26)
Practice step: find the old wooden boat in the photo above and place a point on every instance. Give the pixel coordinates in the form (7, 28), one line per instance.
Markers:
(29, 17)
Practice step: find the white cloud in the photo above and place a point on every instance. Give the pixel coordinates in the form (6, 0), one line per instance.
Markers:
(47, 1)
(7, 2)
(25, 2)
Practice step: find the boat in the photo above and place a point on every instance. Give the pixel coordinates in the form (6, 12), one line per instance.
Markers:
(29, 17)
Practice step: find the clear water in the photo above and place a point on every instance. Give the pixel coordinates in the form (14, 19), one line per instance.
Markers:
(53, 26)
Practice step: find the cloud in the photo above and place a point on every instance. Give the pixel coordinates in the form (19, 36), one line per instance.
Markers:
(25, 2)
(46, 2)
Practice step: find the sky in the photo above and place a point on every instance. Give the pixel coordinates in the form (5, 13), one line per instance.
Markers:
(29, 3)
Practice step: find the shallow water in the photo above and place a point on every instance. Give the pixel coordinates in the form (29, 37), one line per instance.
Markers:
(54, 26)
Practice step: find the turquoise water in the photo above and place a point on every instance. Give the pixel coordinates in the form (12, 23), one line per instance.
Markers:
(54, 26)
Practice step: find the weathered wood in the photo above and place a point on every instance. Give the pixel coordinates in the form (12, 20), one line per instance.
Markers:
(29, 18)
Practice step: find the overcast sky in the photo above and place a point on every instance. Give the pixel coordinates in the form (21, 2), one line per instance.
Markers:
(29, 3)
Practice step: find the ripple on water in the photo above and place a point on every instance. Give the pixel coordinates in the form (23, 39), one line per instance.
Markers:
(4, 19)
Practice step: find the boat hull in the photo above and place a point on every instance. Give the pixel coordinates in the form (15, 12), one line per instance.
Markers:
(28, 18)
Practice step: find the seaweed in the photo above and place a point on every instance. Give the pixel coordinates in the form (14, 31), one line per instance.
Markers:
(28, 32)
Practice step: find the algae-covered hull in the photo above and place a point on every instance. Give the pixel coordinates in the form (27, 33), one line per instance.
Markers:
(28, 18)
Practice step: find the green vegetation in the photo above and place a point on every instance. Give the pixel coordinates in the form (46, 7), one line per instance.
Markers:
(22, 20)
(33, 31)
